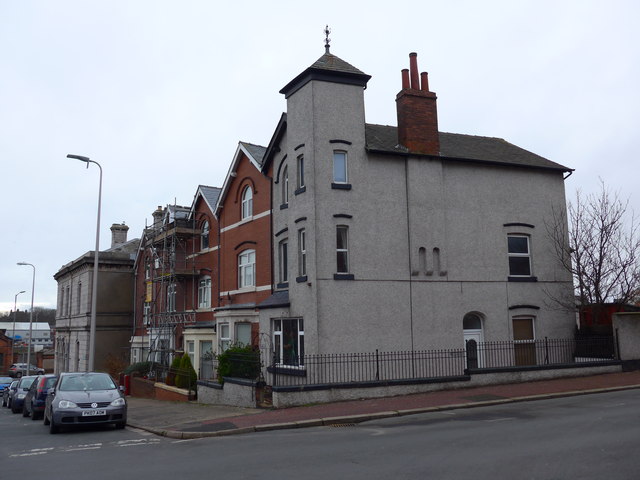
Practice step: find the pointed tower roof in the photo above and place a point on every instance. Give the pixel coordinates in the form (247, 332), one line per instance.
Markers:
(328, 68)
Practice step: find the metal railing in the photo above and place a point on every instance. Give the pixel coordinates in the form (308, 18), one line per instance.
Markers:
(367, 367)
(541, 352)
(407, 366)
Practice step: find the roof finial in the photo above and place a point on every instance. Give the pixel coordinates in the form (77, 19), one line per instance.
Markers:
(327, 40)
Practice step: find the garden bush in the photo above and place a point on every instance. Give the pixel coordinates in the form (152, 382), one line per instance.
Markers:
(239, 361)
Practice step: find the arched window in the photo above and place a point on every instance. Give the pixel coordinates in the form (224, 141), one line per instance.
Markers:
(204, 236)
(247, 269)
(247, 202)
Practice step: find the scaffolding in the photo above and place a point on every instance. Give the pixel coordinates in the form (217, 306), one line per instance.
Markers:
(171, 277)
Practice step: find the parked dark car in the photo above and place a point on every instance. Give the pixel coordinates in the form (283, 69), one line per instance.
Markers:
(84, 398)
(34, 402)
(8, 393)
(4, 385)
(21, 391)
(17, 370)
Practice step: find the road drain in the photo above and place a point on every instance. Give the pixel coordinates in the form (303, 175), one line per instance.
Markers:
(342, 425)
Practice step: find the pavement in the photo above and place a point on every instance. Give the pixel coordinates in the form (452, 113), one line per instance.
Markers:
(196, 420)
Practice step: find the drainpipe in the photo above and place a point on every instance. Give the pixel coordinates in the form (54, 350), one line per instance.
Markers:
(406, 182)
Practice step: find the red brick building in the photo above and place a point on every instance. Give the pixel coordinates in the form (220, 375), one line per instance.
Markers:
(176, 282)
(244, 215)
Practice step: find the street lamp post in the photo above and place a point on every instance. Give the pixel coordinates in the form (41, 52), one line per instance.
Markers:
(33, 289)
(94, 290)
(15, 314)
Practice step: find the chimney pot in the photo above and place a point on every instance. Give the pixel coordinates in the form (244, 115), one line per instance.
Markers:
(405, 78)
(413, 69)
(424, 81)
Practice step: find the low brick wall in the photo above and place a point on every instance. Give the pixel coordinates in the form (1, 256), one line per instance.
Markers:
(174, 394)
(141, 387)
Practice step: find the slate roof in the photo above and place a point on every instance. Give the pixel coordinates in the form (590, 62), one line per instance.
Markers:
(459, 147)
(329, 68)
(256, 151)
(336, 64)
(210, 194)
(277, 299)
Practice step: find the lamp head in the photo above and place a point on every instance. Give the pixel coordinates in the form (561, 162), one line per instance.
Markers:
(79, 157)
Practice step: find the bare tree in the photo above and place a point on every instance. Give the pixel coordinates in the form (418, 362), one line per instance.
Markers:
(600, 248)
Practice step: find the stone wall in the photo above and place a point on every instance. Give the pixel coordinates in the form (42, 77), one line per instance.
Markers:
(627, 326)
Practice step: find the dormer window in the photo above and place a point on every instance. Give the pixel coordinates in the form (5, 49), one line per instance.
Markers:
(247, 202)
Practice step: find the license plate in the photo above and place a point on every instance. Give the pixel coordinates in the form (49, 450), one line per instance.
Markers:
(93, 413)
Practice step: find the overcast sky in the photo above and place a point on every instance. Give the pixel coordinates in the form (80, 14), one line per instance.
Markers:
(160, 93)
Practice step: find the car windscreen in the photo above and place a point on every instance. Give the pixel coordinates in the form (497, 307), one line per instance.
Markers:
(26, 382)
(86, 383)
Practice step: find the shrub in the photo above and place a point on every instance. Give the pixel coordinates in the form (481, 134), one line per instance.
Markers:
(139, 368)
(186, 377)
(239, 361)
(173, 370)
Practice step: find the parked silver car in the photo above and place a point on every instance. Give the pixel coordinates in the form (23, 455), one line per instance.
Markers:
(84, 398)
(17, 370)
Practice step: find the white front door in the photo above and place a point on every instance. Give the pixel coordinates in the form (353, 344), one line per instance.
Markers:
(477, 336)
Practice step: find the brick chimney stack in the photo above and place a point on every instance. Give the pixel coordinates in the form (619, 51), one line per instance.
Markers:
(417, 112)
(118, 234)
(157, 217)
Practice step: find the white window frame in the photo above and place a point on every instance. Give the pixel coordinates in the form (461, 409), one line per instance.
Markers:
(247, 269)
(343, 176)
(204, 236)
(204, 292)
(278, 325)
(283, 261)
(224, 336)
(247, 202)
(532, 319)
(146, 313)
(171, 297)
(238, 326)
(514, 255)
(342, 250)
(191, 351)
(302, 252)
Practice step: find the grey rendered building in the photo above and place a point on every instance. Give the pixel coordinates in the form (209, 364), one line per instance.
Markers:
(114, 316)
(403, 238)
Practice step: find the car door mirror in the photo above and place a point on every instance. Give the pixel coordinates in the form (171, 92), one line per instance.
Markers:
(51, 391)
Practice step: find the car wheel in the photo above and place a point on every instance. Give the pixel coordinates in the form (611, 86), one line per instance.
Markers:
(35, 416)
(53, 428)
(18, 375)
(14, 410)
